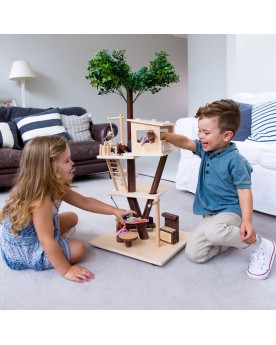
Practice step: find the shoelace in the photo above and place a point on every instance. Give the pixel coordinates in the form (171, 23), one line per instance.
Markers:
(257, 258)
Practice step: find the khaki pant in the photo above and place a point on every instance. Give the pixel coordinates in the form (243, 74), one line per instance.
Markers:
(214, 234)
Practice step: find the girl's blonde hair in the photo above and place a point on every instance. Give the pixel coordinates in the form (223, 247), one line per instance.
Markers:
(36, 179)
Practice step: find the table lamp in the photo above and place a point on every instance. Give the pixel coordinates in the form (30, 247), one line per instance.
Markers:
(22, 71)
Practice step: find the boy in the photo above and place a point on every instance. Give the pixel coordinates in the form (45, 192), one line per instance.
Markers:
(223, 196)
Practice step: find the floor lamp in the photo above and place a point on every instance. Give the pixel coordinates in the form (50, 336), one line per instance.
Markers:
(22, 71)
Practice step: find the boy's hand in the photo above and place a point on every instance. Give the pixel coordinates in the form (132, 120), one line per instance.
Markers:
(149, 137)
(78, 274)
(162, 135)
(247, 233)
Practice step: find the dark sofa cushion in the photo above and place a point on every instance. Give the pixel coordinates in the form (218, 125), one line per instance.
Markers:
(245, 128)
(72, 111)
(9, 158)
(84, 150)
(6, 114)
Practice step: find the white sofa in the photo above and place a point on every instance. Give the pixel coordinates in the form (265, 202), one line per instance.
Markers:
(261, 155)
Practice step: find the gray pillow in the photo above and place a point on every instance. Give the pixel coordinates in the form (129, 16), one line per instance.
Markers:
(78, 127)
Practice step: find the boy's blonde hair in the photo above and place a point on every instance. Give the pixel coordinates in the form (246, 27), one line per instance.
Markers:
(36, 179)
(227, 111)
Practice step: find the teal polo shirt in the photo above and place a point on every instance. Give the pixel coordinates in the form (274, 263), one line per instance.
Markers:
(221, 173)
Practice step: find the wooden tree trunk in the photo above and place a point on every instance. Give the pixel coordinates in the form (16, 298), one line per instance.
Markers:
(133, 203)
(129, 112)
(130, 162)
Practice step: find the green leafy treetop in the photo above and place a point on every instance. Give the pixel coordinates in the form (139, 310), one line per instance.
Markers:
(110, 73)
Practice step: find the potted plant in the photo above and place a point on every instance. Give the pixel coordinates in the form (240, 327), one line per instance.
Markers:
(110, 73)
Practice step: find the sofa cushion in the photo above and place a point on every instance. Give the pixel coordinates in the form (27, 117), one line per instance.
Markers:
(263, 128)
(8, 135)
(9, 158)
(77, 111)
(245, 127)
(83, 151)
(7, 114)
(251, 150)
(45, 123)
(78, 127)
(267, 158)
(254, 98)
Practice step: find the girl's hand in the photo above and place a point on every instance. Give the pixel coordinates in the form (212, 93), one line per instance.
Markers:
(119, 213)
(78, 274)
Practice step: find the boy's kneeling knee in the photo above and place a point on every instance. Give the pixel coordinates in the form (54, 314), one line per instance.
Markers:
(192, 256)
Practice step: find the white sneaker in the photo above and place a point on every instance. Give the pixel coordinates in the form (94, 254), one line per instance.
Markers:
(69, 233)
(261, 259)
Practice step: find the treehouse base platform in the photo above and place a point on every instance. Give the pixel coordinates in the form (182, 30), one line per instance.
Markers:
(144, 250)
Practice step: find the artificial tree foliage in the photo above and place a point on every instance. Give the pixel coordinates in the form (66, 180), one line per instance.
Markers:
(110, 73)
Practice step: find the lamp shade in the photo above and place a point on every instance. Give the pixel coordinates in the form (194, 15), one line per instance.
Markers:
(21, 70)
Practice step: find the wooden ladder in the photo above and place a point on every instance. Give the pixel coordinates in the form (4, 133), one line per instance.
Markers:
(117, 174)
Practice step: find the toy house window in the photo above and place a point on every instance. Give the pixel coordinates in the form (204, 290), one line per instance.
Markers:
(144, 136)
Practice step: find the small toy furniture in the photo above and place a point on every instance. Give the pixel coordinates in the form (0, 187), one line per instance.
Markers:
(148, 246)
(170, 232)
(128, 238)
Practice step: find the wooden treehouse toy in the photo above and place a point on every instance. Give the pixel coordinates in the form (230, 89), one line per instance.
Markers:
(150, 146)
(162, 243)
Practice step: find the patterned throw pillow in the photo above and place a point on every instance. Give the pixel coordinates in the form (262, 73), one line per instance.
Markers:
(45, 123)
(78, 126)
(263, 127)
(8, 135)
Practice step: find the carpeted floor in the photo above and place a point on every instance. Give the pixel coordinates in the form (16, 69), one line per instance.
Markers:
(122, 283)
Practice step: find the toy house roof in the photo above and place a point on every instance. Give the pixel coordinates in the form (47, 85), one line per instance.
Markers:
(152, 122)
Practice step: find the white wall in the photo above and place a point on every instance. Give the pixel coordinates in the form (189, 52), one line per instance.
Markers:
(60, 63)
(207, 76)
(221, 65)
(256, 63)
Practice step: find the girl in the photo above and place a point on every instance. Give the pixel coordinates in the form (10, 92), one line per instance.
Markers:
(33, 231)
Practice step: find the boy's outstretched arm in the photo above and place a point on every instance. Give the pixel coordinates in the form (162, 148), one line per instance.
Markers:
(179, 140)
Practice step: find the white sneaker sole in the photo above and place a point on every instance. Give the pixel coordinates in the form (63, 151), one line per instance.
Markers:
(266, 274)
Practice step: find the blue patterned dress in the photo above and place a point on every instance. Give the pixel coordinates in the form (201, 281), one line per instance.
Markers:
(24, 250)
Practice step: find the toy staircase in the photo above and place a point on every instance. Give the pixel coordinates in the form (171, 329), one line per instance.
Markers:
(117, 174)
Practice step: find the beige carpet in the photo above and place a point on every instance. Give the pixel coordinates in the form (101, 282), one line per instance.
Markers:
(122, 283)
